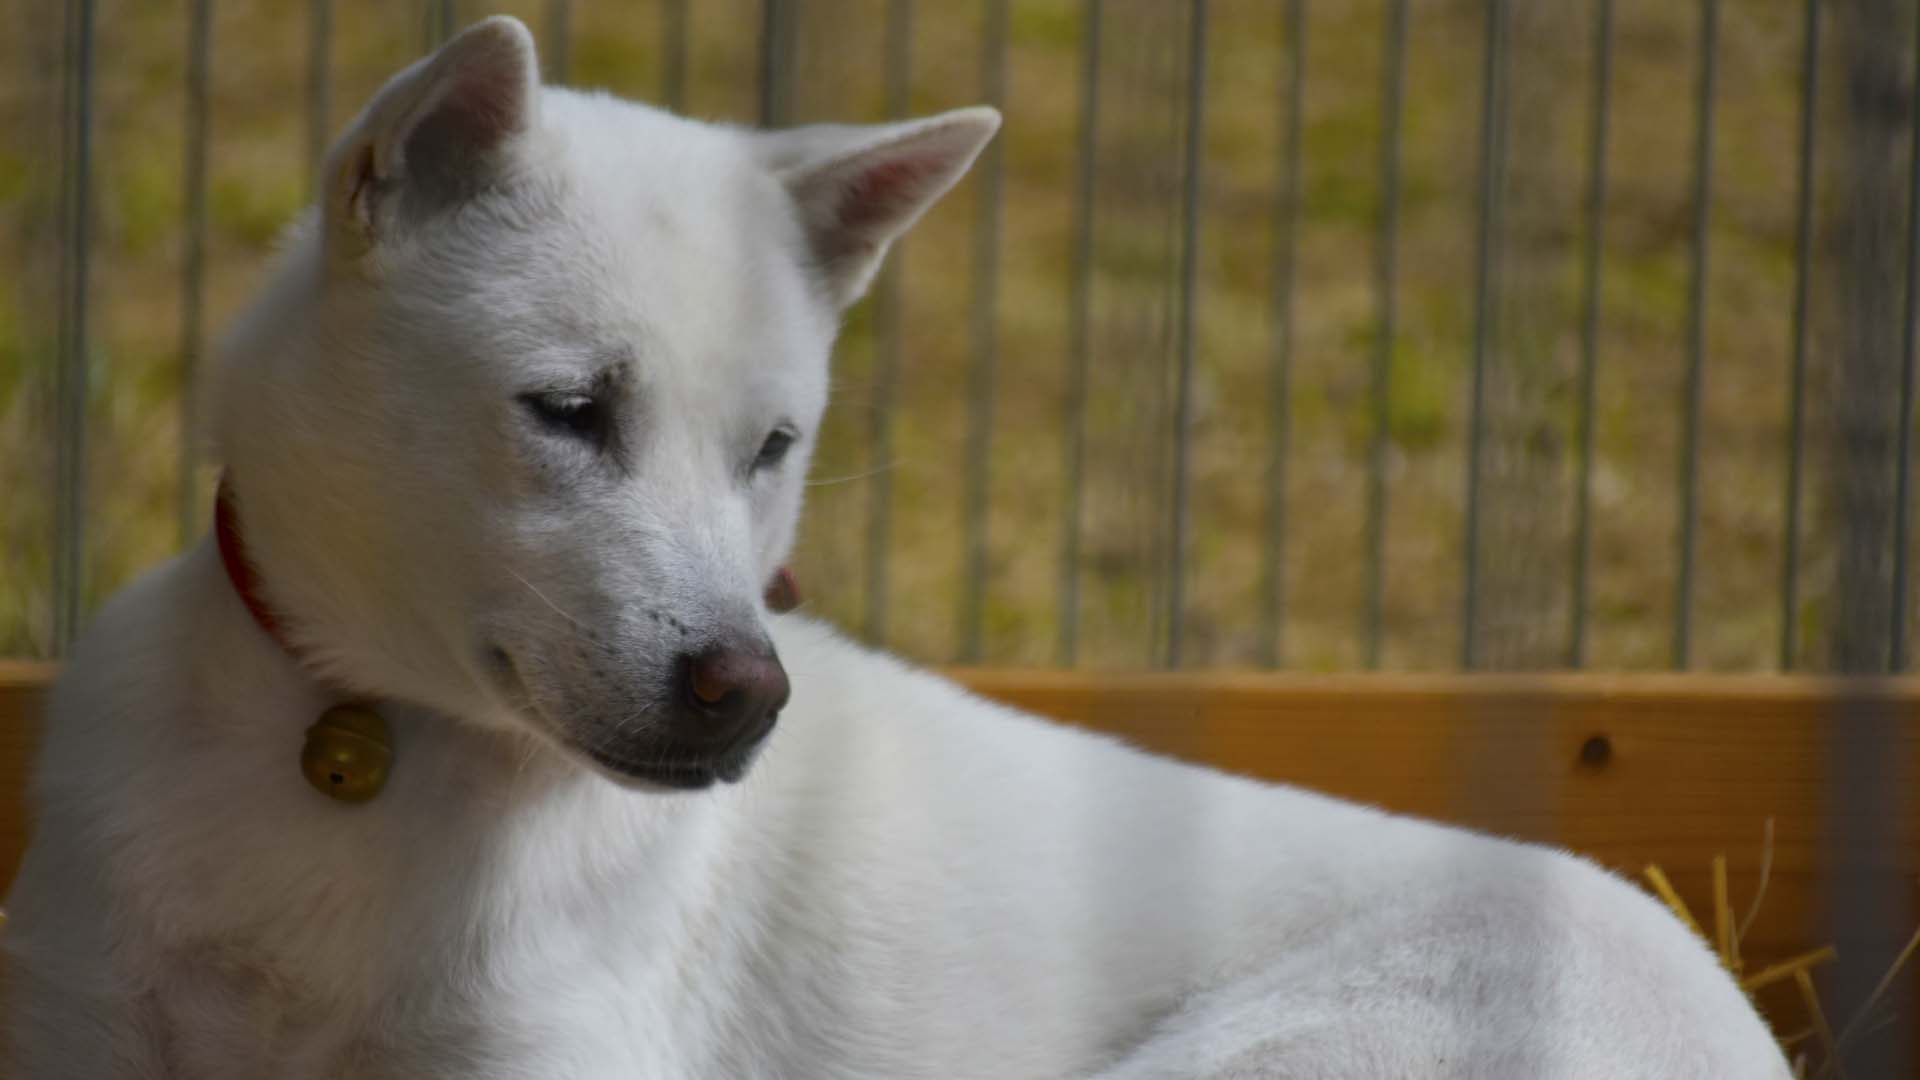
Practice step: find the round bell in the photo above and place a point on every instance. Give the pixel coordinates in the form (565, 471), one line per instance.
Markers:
(347, 753)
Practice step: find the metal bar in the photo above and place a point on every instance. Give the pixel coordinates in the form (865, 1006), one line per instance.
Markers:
(441, 19)
(1493, 121)
(984, 331)
(1696, 336)
(1080, 307)
(559, 44)
(675, 34)
(1797, 380)
(1903, 465)
(1193, 180)
(193, 268)
(1590, 330)
(886, 349)
(1386, 278)
(776, 62)
(319, 87)
(71, 381)
(1286, 221)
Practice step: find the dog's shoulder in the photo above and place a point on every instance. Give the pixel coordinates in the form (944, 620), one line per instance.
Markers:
(129, 667)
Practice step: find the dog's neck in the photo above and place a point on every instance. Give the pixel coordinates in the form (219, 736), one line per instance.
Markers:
(483, 822)
(243, 575)
(490, 861)
(536, 770)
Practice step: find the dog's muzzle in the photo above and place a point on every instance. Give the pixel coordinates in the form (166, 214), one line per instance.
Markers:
(725, 701)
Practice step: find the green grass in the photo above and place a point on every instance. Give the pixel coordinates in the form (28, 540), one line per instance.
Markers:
(258, 179)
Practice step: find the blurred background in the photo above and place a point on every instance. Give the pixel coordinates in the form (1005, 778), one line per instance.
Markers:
(1417, 334)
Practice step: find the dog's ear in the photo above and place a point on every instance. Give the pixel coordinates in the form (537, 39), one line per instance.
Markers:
(437, 133)
(858, 188)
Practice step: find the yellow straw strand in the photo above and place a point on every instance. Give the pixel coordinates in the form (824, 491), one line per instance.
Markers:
(1723, 916)
(1819, 1017)
(1787, 969)
(1664, 889)
(1760, 890)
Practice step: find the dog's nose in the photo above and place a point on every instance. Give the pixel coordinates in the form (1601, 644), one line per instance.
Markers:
(735, 691)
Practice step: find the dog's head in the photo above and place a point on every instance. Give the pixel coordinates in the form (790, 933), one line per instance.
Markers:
(519, 428)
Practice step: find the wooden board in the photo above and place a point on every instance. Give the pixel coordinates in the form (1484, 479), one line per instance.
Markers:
(1630, 770)
(22, 693)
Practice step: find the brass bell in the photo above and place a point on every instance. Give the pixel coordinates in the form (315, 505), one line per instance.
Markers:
(347, 753)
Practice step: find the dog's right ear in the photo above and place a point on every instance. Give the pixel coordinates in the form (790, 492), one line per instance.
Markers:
(440, 131)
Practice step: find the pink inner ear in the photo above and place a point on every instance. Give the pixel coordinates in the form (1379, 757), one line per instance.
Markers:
(879, 194)
(486, 103)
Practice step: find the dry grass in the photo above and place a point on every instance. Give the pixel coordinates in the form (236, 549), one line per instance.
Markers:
(1813, 1042)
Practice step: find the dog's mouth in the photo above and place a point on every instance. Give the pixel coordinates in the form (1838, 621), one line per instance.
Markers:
(678, 773)
(681, 767)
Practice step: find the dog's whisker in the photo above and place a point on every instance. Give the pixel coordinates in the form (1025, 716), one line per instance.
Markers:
(850, 477)
(558, 610)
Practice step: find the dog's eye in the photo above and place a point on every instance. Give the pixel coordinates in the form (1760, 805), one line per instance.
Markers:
(774, 450)
(572, 414)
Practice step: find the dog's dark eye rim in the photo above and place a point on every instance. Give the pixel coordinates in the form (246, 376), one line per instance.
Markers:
(567, 411)
(774, 449)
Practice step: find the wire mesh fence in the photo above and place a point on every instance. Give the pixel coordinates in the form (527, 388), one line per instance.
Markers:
(1396, 333)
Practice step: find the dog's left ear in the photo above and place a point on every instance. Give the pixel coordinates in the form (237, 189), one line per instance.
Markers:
(859, 188)
(440, 131)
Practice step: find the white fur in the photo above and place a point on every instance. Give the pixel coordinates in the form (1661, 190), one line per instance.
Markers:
(910, 882)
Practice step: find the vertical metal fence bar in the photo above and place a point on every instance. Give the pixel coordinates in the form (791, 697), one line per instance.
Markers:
(442, 17)
(319, 87)
(1162, 412)
(193, 267)
(1696, 337)
(1286, 222)
(1079, 318)
(1903, 464)
(984, 331)
(1797, 378)
(559, 44)
(1386, 276)
(886, 350)
(1187, 343)
(674, 35)
(71, 381)
(1590, 329)
(776, 61)
(1493, 122)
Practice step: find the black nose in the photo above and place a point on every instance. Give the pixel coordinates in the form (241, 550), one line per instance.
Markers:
(733, 693)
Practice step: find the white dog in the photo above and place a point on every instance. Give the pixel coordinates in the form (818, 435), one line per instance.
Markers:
(515, 438)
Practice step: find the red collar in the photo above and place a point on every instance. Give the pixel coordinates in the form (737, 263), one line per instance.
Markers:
(240, 571)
